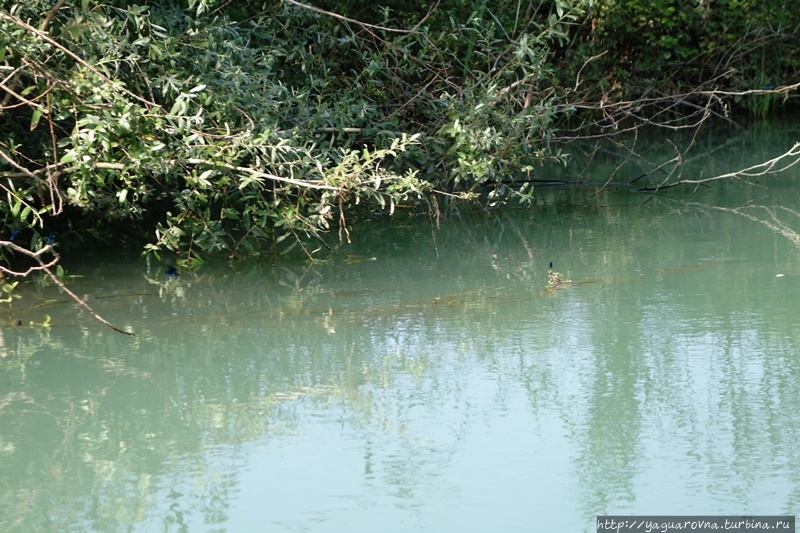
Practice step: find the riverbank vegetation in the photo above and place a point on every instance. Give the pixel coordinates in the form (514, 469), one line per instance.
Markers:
(196, 127)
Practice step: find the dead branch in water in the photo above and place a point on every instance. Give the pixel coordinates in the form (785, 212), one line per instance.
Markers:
(773, 166)
(45, 267)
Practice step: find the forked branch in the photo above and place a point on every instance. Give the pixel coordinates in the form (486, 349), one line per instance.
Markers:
(773, 166)
(45, 267)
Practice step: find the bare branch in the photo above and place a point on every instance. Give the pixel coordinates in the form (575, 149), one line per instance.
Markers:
(340, 17)
(578, 76)
(784, 89)
(34, 255)
(24, 171)
(773, 166)
(259, 174)
(45, 267)
(624, 116)
(50, 15)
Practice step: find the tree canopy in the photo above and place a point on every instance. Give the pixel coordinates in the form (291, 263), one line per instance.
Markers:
(244, 128)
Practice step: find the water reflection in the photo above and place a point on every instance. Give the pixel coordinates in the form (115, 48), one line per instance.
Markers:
(440, 387)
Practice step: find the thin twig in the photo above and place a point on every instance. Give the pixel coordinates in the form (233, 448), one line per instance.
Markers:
(761, 169)
(45, 267)
(340, 17)
(44, 36)
(259, 174)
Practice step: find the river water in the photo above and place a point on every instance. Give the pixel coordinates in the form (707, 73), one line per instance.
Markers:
(428, 378)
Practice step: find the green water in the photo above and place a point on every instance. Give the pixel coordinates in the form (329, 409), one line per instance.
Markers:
(431, 381)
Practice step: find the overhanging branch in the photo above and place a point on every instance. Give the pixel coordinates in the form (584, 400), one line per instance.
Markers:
(45, 267)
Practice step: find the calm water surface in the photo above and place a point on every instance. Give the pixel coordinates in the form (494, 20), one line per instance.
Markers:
(430, 381)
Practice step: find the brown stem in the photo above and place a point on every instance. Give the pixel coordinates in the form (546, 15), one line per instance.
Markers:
(45, 267)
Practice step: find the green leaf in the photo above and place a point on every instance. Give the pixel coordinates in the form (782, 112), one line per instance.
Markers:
(179, 108)
(15, 207)
(159, 31)
(8, 287)
(37, 114)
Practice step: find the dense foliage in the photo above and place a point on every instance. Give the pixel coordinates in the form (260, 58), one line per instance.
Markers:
(241, 128)
(652, 48)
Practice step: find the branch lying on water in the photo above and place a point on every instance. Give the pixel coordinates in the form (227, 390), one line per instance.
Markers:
(627, 117)
(45, 267)
(773, 166)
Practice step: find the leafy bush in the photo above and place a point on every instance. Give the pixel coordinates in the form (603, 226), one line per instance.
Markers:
(248, 127)
(650, 48)
(205, 132)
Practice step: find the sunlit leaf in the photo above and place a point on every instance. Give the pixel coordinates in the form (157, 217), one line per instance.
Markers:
(37, 114)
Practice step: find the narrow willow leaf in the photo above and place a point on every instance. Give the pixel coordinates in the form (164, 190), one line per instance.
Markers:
(15, 207)
(37, 114)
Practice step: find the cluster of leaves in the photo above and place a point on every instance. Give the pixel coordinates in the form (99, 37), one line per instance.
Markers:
(242, 128)
(204, 126)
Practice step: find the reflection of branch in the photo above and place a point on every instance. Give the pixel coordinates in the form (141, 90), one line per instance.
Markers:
(772, 222)
(45, 267)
